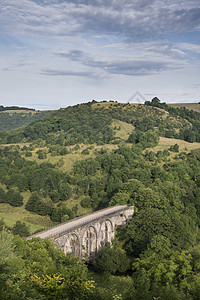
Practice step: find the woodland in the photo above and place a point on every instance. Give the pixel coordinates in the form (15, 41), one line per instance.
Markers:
(91, 156)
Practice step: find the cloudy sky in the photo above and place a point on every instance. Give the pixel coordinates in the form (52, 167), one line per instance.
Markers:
(56, 53)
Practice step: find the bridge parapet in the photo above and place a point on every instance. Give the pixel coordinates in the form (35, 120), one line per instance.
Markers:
(84, 236)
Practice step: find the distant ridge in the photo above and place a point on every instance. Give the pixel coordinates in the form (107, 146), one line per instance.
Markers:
(5, 108)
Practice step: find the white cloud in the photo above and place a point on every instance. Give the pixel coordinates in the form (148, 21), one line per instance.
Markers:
(99, 44)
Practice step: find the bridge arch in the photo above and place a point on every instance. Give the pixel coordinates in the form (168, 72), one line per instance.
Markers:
(89, 242)
(72, 245)
(106, 232)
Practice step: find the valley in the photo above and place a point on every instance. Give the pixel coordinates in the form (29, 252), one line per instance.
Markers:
(91, 156)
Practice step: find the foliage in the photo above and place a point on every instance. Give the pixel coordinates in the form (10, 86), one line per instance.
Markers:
(21, 229)
(111, 259)
(14, 198)
(36, 270)
(162, 238)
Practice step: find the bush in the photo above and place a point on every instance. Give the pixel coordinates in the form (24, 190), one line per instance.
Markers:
(111, 259)
(174, 148)
(21, 229)
(85, 152)
(86, 202)
(28, 154)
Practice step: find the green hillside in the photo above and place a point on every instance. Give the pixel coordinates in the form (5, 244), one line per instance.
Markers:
(12, 119)
(64, 141)
(94, 155)
(92, 123)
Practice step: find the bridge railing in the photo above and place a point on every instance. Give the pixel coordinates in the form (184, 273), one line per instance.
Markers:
(110, 210)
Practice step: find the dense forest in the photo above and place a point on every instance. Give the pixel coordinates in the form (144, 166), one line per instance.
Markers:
(157, 255)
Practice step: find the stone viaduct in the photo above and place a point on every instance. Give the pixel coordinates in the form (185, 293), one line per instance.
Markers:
(84, 236)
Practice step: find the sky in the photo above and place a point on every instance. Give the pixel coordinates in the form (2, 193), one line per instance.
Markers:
(57, 53)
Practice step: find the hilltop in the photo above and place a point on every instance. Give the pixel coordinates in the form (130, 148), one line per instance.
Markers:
(92, 123)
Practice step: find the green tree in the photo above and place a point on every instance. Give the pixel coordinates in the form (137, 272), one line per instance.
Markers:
(111, 259)
(14, 198)
(21, 229)
(2, 196)
(141, 229)
(33, 202)
(65, 191)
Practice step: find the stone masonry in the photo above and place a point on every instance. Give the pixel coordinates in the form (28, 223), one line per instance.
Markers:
(84, 236)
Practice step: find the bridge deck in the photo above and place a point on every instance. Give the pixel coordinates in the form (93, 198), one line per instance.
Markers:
(70, 225)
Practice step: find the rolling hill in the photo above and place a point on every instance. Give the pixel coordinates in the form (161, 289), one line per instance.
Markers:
(55, 145)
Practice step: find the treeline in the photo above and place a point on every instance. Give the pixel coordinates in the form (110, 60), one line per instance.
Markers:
(4, 108)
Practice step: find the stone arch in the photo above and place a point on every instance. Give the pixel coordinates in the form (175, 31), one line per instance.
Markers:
(89, 242)
(72, 245)
(106, 232)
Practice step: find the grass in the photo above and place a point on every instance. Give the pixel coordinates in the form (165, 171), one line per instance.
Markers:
(193, 106)
(124, 131)
(69, 159)
(12, 214)
(165, 143)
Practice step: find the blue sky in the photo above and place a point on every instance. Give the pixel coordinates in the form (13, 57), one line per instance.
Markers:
(56, 53)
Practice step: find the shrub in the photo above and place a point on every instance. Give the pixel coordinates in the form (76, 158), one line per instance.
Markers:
(86, 202)
(21, 229)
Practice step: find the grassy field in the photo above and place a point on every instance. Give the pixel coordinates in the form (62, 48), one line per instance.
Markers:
(72, 157)
(193, 106)
(124, 129)
(166, 143)
(12, 214)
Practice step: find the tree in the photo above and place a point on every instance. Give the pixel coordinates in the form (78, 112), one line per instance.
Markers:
(21, 229)
(14, 198)
(174, 148)
(33, 202)
(146, 198)
(60, 211)
(111, 259)
(141, 229)
(2, 196)
(65, 191)
(86, 202)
